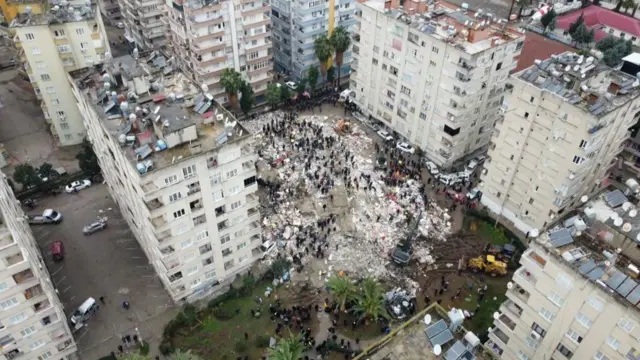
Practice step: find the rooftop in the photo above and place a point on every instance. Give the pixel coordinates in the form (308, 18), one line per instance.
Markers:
(597, 18)
(583, 82)
(157, 113)
(58, 14)
(537, 46)
(431, 327)
(468, 31)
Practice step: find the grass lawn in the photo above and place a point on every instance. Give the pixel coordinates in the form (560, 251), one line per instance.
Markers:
(490, 233)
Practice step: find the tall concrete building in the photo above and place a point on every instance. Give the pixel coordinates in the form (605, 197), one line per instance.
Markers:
(296, 24)
(209, 36)
(52, 43)
(569, 300)
(144, 24)
(433, 74)
(180, 168)
(33, 324)
(110, 10)
(566, 121)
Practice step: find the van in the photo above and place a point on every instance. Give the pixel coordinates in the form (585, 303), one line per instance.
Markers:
(84, 312)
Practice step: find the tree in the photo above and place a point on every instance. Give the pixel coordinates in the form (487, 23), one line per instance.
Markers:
(87, 159)
(46, 171)
(231, 81)
(184, 355)
(312, 77)
(582, 35)
(548, 21)
(323, 50)
(370, 303)
(613, 56)
(340, 41)
(279, 267)
(26, 175)
(301, 87)
(273, 94)
(331, 74)
(576, 24)
(291, 348)
(248, 98)
(343, 290)
(285, 93)
(606, 43)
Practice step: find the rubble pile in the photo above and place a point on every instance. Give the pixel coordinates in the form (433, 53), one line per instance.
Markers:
(367, 221)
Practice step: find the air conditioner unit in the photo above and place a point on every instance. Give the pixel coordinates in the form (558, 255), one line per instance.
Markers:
(535, 335)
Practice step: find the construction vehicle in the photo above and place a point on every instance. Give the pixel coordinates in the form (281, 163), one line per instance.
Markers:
(488, 264)
(403, 252)
(343, 127)
(501, 252)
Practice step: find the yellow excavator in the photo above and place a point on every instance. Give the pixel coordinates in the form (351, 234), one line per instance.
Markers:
(488, 264)
(343, 127)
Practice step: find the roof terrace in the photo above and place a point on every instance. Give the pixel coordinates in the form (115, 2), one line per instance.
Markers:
(157, 114)
(583, 82)
(58, 14)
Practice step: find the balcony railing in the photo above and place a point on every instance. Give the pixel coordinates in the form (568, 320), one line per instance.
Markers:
(23, 276)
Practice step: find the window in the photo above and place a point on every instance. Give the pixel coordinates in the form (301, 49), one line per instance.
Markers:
(613, 342)
(36, 344)
(29, 36)
(175, 197)
(64, 126)
(170, 180)
(627, 324)
(35, 51)
(28, 331)
(64, 48)
(556, 299)
(564, 351)
(583, 144)
(185, 244)
(600, 356)
(595, 303)
(189, 171)
(226, 252)
(232, 173)
(236, 205)
(3, 286)
(432, 63)
(546, 314)
(532, 99)
(68, 136)
(405, 90)
(45, 356)
(574, 336)
(181, 230)
(45, 77)
(584, 320)
(564, 281)
(218, 195)
(234, 189)
(435, 49)
(178, 214)
(79, 31)
(202, 235)
(225, 239)
(84, 45)
(55, 102)
(578, 160)
(530, 200)
(8, 303)
(539, 329)
(210, 275)
(531, 342)
(192, 270)
(242, 246)
(215, 178)
(58, 33)
(522, 356)
(376, 49)
(393, 70)
(40, 64)
(17, 318)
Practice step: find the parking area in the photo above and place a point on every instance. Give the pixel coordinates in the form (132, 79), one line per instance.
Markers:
(108, 263)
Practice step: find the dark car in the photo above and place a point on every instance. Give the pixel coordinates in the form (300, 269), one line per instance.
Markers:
(57, 250)
(94, 227)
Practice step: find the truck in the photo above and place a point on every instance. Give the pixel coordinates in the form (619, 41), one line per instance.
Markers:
(48, 216)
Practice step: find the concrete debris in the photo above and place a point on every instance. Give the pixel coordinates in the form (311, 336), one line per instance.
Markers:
(400, 303)
(358, 225)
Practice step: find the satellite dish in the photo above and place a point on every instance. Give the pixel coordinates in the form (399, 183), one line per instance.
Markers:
(584, 199)
(496, 315)
(427, 319)
(626, 206)
(626, 227)
(509, 285)
(633, 213)
(534, 233)
(618, 222)
(437, 349)
(578, 233)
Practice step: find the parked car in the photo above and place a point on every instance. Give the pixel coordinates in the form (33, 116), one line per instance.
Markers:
(120, 25)
(48, 216)
(432, 168)
(474, 193)
(403, 146)
(77, 186)
(481, 158)
(291, 85)
(57, 250)
(472, 165)
(95, 226)
(385, 135)
(84, 312)
(267, 248)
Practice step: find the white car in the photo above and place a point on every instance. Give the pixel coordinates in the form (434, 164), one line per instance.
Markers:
(480, 159)
(472, 165)
(77, 186)
(432, 168)
(403, 146)
(385, 135)
(474, 193)
(291, 85)
(120, 25)
(267, 248)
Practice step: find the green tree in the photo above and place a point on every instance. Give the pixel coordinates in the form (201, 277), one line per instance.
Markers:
(606, 43)
(548, 21)
(248, 98)
(342, 289)
(248, 284)
(312, 77)
(582, 35)
(340, 41)
(331, 74)
(26, 175)
(285, 93)
(290, 348)
(231, 81)
(278, 267)
(323, 50)
(184, 355)
(370, 303)
(273, 94)
(87, 159)
(46, 171)
(576, 24)
(301, 87)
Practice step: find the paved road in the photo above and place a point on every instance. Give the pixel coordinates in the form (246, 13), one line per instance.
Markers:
(108, 263)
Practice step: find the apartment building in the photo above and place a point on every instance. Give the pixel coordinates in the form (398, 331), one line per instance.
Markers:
(565, 123)
(52, 43)
(569, 300)
(110, 10)
(433, 74)
(179, 167)
(33, 324)
(296, 24)
(143, 21)
(209, 36)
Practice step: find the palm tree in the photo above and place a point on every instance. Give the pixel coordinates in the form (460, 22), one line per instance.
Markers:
(340, 40)
(287, 349)
(323, 49)
(370, 304)
(231, 81)
(343, 290)
(182, 355)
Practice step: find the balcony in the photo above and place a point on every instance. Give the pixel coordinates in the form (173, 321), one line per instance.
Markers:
(251, 212)
(154, 204)
(193, 188)
(205, 249)
(23, 276)
(14, 259)
(223, 225)
(465, 65)
(163, 235)
(517, 294)
(221, 210)
(248, 165)
(199, 220)
(158, 221)
(255, 237)
(356, 38)
(13, 354)
(195, 205)
(506, 321)
(527, 276)
(176, 276)
(33, 291)
(511, 307)
(500, 335)
(168, 250)
(42, 305)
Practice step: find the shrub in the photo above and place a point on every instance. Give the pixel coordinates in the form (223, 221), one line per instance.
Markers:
(262, 341)
(144, 348)
(233, 293)
(240, 347)
(223, 314)
(170, 330)
(166, 347)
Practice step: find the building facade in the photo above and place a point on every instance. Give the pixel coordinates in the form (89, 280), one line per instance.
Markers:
(560, 309)
(435, 76)
(565, 122)
(110, 10)
(297, 24)
(209, 36)
(51, 44)
(181, 170)
(144, 24)
(33, 323)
